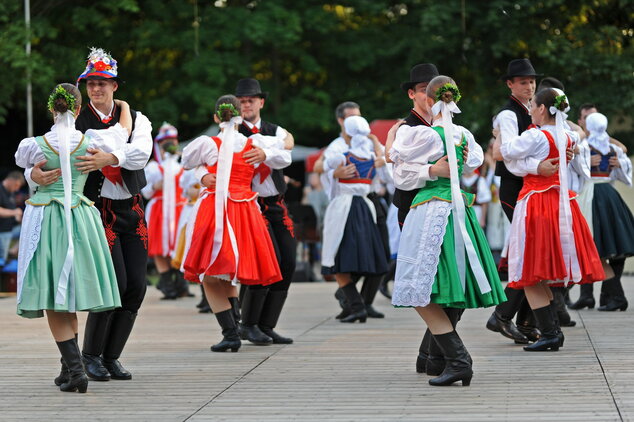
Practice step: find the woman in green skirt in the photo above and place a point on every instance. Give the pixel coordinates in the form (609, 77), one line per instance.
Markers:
(444, 260)
(64, 263)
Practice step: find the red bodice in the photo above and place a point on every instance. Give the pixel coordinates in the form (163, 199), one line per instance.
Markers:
(537, 183)
(241, 173)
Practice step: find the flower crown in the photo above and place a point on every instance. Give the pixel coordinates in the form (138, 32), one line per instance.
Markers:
(448, 93)
(227, 106)
(60, 92)
(561, 102)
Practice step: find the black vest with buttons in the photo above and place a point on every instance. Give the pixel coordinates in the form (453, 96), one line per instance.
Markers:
(403, 198)
(523, 122)
(268, 129)
(134, 179)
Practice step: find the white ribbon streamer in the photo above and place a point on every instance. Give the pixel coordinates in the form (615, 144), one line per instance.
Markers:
(223, 174)
(170, 169)
(462, 241)
(64, 127)
(566, 234)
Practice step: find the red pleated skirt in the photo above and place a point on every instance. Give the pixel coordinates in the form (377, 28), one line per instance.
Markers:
(257, 262)
(155, 229)
(542, 255)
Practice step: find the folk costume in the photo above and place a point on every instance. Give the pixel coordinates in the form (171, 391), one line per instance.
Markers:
(262, 306)
(356, 246)
(550, 239)
(116, 191)
(164, 208)
(443, 255)
(64, 264)
(609, 216)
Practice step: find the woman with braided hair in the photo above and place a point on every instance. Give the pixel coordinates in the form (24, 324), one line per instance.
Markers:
(64, 261)
(444, 261)
(227, 240)
(550, 242)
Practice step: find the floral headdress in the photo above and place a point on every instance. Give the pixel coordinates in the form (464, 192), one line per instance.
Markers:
(448, 93)
(561, 102)
(227, 106)
(100, 65)
(60, 92)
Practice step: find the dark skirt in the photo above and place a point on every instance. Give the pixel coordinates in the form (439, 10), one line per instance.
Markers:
(613, 224)
(361, 250)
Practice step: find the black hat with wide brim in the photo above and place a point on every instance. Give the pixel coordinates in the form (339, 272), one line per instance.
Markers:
(423, 72)
(249, 87)
(519, 67)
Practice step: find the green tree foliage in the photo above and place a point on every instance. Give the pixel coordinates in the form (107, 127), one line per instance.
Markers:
(177, 57)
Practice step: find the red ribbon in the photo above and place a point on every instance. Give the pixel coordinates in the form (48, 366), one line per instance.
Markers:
(113, 174)
(264, 171)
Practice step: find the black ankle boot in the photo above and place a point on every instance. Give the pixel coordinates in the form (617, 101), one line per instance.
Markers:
(95, 337)
(423, 353)
(550, 339)
(368, 293)
(63, 372)
(436, 359)
(230, 337)
(181, 285)
(203, 299)
(498, 324)
(458, 362)
(167, 285)
(357, 307)
(271, 314)
(586, 298)
(526, 323)
(252, 305)
(560, 307)
(120, 329)
(77, 379)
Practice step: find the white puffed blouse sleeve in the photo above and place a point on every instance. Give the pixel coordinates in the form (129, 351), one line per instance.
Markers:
(202, 151)
(413, 149)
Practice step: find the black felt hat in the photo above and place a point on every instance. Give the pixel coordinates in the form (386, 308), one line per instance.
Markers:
(423, 72)
(249, 87)
(519, 67)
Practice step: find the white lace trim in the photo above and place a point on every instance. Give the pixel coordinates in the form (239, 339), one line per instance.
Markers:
(29, 241)
(419, 253)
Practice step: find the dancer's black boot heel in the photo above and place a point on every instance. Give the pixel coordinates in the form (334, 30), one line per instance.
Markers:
(458, 362)
(77, 379)
(230, 338)
(63, 372)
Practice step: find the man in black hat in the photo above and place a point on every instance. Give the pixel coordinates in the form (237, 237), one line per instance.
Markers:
(116, 191)
(511, 121)
(262, 305)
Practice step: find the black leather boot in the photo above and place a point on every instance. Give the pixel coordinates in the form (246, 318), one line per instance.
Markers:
(368, 293)
(586, 298)
(203, 299)
(168, 285)
(550, 339)
(436, 359)
(230, 337)
(357, 307)
(77, 379)
(526, 323)
(252, 305)
(235, 307)
(95, 336)
(63, 372)
(181, 285)
(613, 289)
(271, 314)
(120, 329)
(559, 306)
(423, 353)
(458, 362)
(345, 308)
(506, 327)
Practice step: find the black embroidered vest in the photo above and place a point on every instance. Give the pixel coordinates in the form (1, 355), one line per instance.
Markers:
(523, 122)
(268, 129)
(403, 198)
(134, 179)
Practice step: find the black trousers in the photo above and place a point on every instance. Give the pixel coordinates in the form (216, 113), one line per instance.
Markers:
(280, 227)
(126, 232)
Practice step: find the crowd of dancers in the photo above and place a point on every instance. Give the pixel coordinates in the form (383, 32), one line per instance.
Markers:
(216, 215)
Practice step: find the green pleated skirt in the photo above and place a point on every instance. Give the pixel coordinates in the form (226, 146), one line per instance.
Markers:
(93, 285)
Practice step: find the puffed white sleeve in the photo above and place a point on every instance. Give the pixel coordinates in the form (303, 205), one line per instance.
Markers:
(109, 140)
(580, 164)
(413, 149)
(152, 175)
(135, 154)
(483, 194)
(475, 157)
(624, 173)
(28, 153)
(277, 157)
(202, 151)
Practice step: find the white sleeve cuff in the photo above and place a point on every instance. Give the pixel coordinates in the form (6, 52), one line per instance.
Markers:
(120, 154)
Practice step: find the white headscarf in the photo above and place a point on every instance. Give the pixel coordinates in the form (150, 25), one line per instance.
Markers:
(597, 124)
(358, 129)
